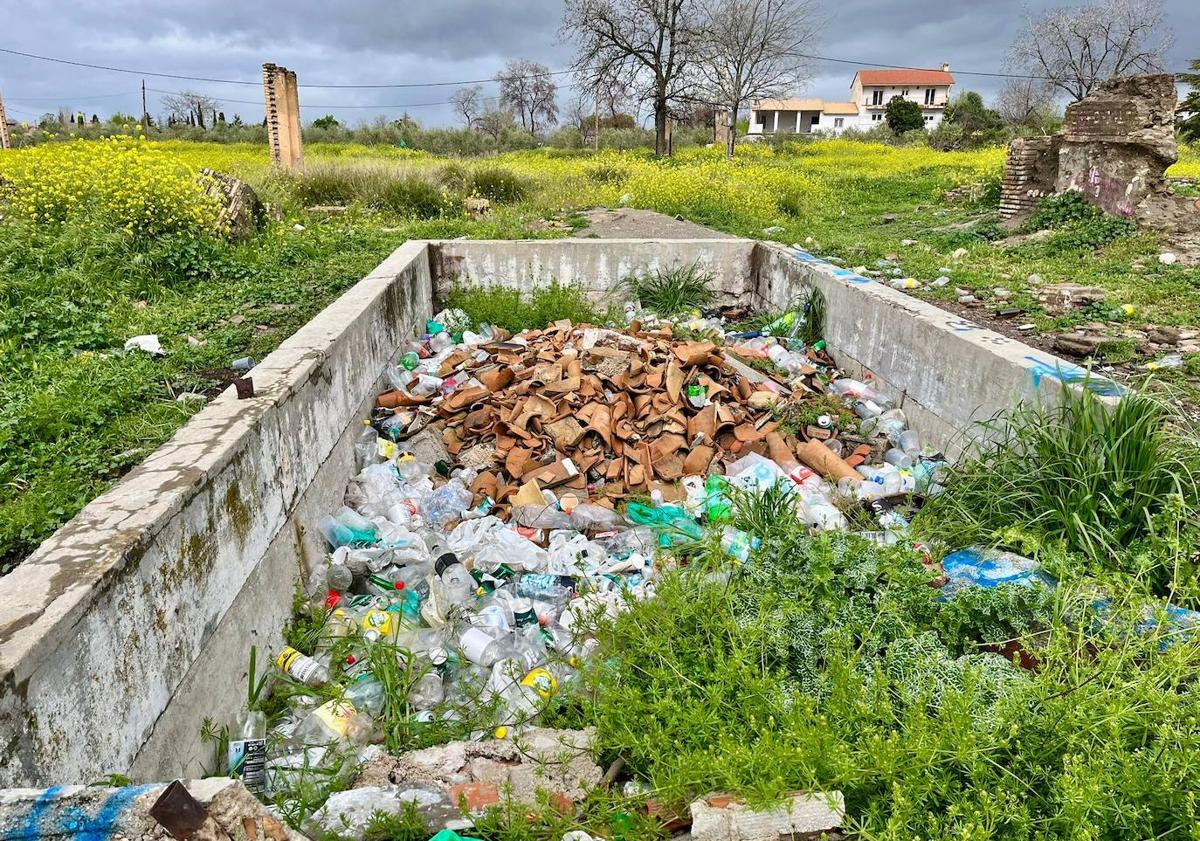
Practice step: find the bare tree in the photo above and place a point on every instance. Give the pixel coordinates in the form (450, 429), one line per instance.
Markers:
(1077, 48)
(752, 49)
(528, 88)
(189, 106)
(493, 121)
(644, 41)
(1027, 103)
(466, 102)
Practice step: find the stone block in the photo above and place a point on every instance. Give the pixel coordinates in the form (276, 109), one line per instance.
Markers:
(1062, 298)
(347, 813)
(720, 817)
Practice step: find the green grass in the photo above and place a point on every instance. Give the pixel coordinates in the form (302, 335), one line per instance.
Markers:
(828, 663)
(76, 413)
(516, 311)
(673, 292)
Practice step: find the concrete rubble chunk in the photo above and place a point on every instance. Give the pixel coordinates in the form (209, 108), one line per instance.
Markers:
(241, 211)
(97, 812)
(556, 761)
(1062, 298)
(1078, 344)
(720, 817)
(347, 813)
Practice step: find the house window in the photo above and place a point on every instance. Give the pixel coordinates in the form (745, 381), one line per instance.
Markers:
(876, 118)
(816, 119)
(904, 92)
(877, 97)
(838, 122)
(929, 93)
(928, 119)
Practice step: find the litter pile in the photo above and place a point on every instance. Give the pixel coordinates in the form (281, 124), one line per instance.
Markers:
(513, 488)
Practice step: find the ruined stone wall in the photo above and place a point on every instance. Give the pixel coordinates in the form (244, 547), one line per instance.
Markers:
(282, 100)
(1114, 149)
(1030, 174)
(1118, 143)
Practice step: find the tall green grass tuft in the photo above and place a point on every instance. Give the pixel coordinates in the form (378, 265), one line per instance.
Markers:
(499, 185)
(1096, 480)
(379, 186)
(674, 291)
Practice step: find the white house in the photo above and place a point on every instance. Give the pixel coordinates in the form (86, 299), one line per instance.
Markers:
(870, 92)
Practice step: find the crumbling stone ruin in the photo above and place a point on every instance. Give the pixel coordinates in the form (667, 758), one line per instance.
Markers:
(1114, 149)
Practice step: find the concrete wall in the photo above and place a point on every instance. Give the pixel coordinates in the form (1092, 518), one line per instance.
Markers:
(598, 265)
(946, 371)
(133, 622)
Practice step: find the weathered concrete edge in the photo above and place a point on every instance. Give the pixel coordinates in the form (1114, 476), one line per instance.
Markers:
(64, 596)
(949, 371)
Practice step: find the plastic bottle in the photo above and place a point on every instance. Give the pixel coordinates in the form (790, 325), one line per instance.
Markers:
(342, 719)
(430, 689)
(366, 448)
(457, 584)
(247, 753)
(483, 649)
(737, 544)
(302, 668)
(554, 588)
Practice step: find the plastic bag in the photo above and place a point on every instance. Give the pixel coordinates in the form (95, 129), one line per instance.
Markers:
(446, 504)
(589, 516)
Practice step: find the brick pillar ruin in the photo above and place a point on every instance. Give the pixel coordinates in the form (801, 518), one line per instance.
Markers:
(1030, 174)
(4, 142)
(283, 116)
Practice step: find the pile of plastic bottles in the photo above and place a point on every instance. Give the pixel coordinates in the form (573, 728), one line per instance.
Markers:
(482, 613)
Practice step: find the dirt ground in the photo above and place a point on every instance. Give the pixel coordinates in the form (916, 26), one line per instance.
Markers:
(628, 223)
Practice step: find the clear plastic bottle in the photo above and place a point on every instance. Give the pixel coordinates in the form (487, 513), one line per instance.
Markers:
(247, 753)
(366, 448)
(430, 690)
(302, 668)
(457, 584)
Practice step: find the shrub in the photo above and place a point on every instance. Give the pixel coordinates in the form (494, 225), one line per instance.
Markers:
(606, 171)
(498, 184)
(411, 196)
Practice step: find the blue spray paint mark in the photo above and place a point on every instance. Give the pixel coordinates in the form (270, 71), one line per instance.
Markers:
(30, 828)
(100, 828)
(72, 821)
(1070, 374)
(838, 271)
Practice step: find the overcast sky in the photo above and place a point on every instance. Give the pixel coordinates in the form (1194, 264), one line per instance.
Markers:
(413, 41)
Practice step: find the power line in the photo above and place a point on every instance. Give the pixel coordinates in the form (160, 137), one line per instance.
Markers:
(306, 105)
(62, 98)
(259, 82)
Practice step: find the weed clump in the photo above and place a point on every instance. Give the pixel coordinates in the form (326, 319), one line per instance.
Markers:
(1117, 485)
(511, 309)
(674, 291)
(498, 184)
(1079, 225)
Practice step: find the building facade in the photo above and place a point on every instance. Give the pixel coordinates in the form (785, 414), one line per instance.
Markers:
(870, 92)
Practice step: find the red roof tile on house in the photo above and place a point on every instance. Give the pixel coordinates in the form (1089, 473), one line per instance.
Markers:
(914, 78)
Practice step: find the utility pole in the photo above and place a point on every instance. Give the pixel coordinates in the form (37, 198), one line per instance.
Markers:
(4, 144)
(145, 113)
(596, 139)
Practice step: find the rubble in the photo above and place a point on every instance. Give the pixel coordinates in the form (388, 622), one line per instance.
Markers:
(241, 211)
(720, 817)
(1062, 298)
(217, 809)
(510, 489)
